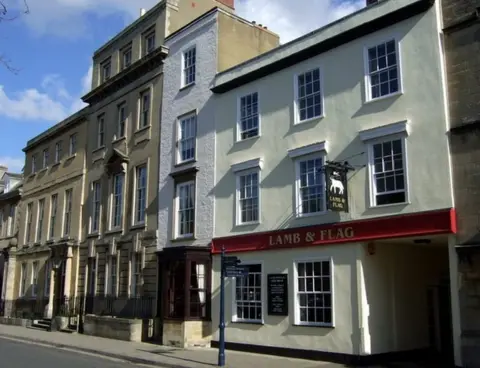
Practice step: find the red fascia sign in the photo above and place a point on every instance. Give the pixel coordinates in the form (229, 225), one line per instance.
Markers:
(399, 226)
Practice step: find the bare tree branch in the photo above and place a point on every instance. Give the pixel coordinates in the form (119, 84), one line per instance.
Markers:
(5, 15)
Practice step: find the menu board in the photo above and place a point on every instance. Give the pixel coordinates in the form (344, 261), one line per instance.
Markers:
(277, 291)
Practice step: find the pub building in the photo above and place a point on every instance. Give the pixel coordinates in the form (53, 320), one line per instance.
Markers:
(333, 189)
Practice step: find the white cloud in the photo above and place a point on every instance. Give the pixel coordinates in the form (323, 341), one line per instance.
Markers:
(292, 19)
(51, 102)
(69, 18)
(14, 164)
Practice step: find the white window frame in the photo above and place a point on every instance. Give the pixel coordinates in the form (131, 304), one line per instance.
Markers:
(192, 117)
(121, 121)
(263, 293)
(296, 291)
(28, 222)
(34, 164)
(53, 215)
(112, 287)
(23, 280)
(238, 210)
(177, 208)
(368, 90)
(113, 197)
(136, 280)
(239, 116)
(146, 37)
(371, 169)
(45, 158)
(100, 131)
(298, 199)
(67, 214)
(72, 144)
(34, 278)
(296, 106)
(11, 219)
(143, 209)
(144, 115)
(96, 199)
(47, 278)
(189, 67)
(40, 218)
(58, 151)
(124, 52)
(105, 70)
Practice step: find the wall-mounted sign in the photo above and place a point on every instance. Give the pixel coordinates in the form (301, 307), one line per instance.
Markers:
(277, 292)
(336, 191)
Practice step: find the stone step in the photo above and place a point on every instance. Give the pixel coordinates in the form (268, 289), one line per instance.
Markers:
(69, 330)
(43, 324)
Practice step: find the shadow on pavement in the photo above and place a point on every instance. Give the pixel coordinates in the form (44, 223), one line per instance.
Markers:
(171, 354)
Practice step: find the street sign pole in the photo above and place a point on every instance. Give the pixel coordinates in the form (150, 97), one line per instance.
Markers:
(221, 347)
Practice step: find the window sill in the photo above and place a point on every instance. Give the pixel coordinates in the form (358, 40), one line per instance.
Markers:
(187, 86)
(142, 129)
(256, 323)
(314, 325)
(31, 175)
(114, 231)
(310, 120)
(71, 157)
(401, 204)
(118, 140)
(95, 234)
(56, 164)
(98, 149)
(184, 238)
(186, 162)
(386, 97)
(308, 215)
(36, 244)
(43, 170)
(247, 224)
(50, 241)
(139, 226)
(249, 139)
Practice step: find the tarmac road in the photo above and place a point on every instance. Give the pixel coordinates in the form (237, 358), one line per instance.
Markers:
(15, 354)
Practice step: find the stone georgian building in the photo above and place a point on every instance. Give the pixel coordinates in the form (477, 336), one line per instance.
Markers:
(348, 262)
(461, 23)
(11, 186)
(212, 43)
(50, 222)
(118, 265)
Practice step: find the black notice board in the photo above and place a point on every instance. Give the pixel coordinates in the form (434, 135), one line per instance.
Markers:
(277, 291)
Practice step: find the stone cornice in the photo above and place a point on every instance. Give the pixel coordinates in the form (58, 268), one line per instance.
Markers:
(127, 76)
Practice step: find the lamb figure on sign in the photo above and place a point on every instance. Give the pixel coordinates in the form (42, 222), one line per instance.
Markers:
(336, 184)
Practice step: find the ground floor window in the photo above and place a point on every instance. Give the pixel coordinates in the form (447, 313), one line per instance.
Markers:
(187, 286)
(248, 296)
(314, 293)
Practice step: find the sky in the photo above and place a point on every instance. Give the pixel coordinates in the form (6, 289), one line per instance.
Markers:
(51, 46)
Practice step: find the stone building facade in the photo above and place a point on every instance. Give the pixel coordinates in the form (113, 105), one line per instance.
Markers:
(212, 43)
(11, 187)
(461, 23)
(118, 266)
(50, 222)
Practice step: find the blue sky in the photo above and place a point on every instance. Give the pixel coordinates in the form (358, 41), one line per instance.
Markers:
(53, 44)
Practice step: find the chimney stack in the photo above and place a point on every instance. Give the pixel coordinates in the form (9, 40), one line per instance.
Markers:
(372, 2)
(229, 3)
(142, 12)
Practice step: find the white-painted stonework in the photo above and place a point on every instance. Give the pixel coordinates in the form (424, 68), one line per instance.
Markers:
(384, 281)
(178, 101)
(416, 114)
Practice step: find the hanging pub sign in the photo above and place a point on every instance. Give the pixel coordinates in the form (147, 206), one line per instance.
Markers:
(336, 187)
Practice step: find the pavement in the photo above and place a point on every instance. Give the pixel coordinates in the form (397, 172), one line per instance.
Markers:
(136, 353)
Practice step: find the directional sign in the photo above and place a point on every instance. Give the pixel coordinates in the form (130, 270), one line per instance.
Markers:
(230, 260)
(239, 271)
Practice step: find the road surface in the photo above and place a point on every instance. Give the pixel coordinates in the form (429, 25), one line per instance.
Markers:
(14, 354)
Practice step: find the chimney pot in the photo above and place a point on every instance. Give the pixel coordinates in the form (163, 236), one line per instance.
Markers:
(260, 24)
(371, 2)
(142, 12)
(253, 22)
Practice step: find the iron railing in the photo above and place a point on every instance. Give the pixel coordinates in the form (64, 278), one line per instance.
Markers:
(122, 307)
(23, 308)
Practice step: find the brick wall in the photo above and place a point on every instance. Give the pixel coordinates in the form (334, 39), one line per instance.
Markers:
(462, 47)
